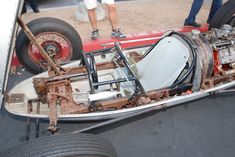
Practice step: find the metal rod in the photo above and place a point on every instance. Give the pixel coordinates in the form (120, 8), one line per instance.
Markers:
(58, 78)
(28, 121)
(37, 128)
(98, 52)
(88, 73)
(225, 43)
(128, 67)
(132, 41)
(107, 50)
(121, 72)
(114, 81)
(35, 42)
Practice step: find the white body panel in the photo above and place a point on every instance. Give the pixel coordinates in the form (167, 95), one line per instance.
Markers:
(162, 66)
(9, 10)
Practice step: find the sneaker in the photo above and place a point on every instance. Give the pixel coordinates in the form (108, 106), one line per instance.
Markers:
(194, 24)
(95, 34)
(116, 33)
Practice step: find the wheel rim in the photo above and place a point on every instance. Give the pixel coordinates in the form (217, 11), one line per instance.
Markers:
(57, 46)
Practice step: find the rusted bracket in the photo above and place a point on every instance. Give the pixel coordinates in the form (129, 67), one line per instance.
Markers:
(28, 128)
(211, 82)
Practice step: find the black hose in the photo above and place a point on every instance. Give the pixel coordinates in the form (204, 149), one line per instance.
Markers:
(194, 60)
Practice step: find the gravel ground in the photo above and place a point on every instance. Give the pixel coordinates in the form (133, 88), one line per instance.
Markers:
(134, 16)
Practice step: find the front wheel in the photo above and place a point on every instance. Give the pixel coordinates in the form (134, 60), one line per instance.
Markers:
(59, 39)
(225, 15)
(64, 145)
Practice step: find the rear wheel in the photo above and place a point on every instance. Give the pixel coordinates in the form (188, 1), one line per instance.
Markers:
(64, 145)
(225, 15)
(60, 40)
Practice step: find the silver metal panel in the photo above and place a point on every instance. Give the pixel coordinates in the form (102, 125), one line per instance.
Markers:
(162, 66)
(8, 13)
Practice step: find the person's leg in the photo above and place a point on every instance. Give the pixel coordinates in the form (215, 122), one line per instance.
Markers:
(196, 6)
(91, 11)
(112, 15)
(216, 4)
(92, 18)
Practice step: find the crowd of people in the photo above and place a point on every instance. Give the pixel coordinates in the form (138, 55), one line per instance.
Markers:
(113, 19)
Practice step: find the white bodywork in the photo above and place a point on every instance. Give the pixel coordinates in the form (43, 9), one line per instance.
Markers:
(158, 70)
(8, 13)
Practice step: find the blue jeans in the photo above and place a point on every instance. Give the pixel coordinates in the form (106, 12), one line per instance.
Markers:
(33, 4)
(196, 6)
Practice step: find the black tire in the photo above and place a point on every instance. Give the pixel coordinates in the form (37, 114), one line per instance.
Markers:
(225, 15)
(64, 145)
(40, 26)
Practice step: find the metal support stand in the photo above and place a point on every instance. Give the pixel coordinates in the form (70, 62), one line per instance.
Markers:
(28, 121)
(28, 128)
(37, 128)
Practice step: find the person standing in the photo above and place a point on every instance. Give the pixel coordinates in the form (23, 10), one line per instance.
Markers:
(196, 6)
(33, 4)
(112, 16)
